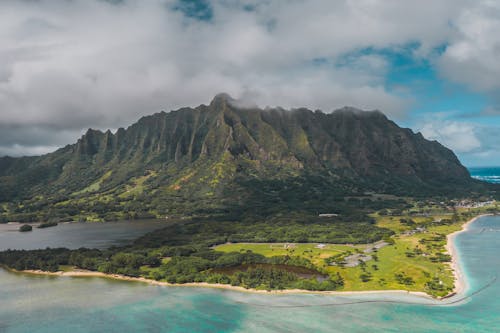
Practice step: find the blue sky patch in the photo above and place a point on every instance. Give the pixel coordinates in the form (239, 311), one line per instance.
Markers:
(195, 9)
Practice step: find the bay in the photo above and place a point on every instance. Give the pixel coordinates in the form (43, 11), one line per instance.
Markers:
(76, 234)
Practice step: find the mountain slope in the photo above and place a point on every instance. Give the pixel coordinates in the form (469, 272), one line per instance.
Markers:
(222, 159)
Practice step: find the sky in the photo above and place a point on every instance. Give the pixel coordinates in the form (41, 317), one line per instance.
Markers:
(69, 65)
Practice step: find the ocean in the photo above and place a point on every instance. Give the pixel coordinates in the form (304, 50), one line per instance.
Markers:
(37, 304)
(487, 174)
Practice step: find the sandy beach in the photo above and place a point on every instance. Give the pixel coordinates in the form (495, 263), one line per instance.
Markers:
(460, 280)
(84, 273)
(459, 288)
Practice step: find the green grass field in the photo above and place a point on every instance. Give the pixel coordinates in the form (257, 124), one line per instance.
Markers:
(415, 262)
(309, 251)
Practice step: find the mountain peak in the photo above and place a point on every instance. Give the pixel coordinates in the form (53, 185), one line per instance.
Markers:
(224, 145)
(222, 98)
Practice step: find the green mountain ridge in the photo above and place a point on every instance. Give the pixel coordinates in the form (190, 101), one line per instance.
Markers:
(221, 159)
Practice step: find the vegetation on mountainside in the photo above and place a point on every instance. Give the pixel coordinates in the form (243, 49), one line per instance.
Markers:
(243, 198)
(220, 160)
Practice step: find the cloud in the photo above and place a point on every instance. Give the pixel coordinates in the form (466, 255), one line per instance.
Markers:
(70, 65)
(472, 54)
(19, 140)
(460, 137)
(17, 150)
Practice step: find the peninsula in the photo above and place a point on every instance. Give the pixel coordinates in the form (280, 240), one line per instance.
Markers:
(448, 278)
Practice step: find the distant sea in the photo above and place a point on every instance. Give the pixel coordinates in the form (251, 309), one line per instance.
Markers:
(487, 174)
(45, 304)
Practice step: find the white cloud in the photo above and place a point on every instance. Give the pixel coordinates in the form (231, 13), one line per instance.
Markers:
(17, 150)
(473, 52)
(460, 137)
(91, 63)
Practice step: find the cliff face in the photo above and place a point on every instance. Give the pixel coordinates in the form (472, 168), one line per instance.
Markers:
(209, 148)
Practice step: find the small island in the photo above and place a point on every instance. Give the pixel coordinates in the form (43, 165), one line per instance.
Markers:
(25, 228)
(47, 225)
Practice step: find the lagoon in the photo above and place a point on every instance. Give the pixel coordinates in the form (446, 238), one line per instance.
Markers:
(62, 304)
(74, 235)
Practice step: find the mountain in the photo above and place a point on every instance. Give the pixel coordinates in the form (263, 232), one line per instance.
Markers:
(224, 159)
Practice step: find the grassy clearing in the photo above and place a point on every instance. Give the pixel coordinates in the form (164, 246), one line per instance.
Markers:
(95, 186)
(66, 268)
(416, 261)
(309, 250)
(379, 274)
(136, 185)
(392, 260)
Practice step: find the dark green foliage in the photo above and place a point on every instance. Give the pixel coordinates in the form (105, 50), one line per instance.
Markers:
(408, 222)
(25, 227)
(267, 278)
(404, 279)
(435, 285)
(185, 269)
(47, 225)
(210, 233)
(47, 260)
(440, 257)
(333, 283)
(338, 259)
(365, 276)
(219, 160)
(247, 269)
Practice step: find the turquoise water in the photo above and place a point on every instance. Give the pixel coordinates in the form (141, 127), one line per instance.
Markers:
(487, 174)
(48, 304)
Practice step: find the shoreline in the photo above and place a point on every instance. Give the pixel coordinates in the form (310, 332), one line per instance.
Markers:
(85, 273)
(460, 282)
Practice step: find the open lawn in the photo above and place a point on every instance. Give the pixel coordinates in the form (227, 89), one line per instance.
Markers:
(417, 260)
(309, 251)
